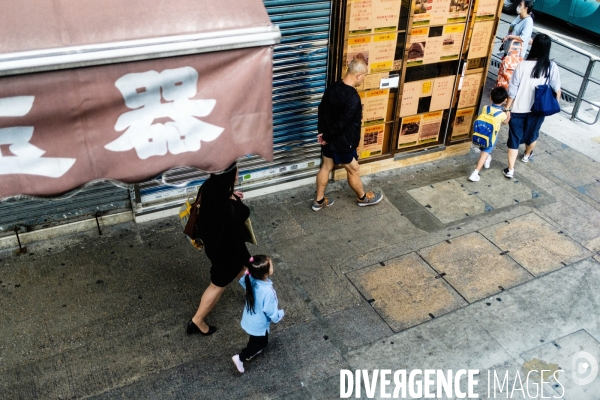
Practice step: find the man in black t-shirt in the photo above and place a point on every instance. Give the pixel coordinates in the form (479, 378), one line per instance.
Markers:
(340, 115)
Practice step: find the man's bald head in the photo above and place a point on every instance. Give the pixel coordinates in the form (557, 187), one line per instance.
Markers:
(357, 70)
(357, 66)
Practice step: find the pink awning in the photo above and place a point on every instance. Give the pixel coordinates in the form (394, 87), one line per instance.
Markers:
(171, 100)
(47, 24)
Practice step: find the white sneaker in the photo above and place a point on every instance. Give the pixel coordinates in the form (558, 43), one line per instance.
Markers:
(526, 157)
(488, 162)
(474, 176)
(509, 173)
(238, 363)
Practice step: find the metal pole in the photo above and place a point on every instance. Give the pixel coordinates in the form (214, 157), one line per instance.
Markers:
(98, 214)
(582, 89)
(21, 248)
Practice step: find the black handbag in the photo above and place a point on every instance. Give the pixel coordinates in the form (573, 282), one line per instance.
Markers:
(188, 215)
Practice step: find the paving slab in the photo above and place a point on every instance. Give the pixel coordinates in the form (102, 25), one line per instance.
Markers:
(592, 190)
(448, 201)
(107, 310)
(502, 387)
(547, 143)
(509, 380)
(356, 326)
(453, 341)
(411, 209)
(376, 232)
(535, 244)
(584, 225)
(310, 249)
(568, 165)
(494, 189)
(458, 229)
(344, 210)
(275, 222)
(575, 134)
(579, 368)
(405, 291)
(323, 286)
(593, 244)
(293, 359)
(474, 267)
(326, 389)
(544, 309)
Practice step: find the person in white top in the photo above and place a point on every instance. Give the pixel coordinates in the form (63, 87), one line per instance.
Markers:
(524, 126)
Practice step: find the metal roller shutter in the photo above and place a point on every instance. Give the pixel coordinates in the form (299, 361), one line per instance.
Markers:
(299, 78)
(34, 213)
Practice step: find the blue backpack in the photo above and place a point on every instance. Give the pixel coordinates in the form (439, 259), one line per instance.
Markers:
(485, 128)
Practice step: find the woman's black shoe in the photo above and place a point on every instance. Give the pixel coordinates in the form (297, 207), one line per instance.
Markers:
(192, 328)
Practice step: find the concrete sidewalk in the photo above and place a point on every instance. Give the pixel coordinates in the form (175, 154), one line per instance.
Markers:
(444, 274)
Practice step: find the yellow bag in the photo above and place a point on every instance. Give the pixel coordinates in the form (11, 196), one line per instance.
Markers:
(250, 237)
(184, 216)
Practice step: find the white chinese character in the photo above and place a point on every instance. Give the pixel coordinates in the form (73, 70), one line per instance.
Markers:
(26, 158)
(142, 93)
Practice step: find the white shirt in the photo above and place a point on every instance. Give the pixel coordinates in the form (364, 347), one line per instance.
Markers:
(522, 85)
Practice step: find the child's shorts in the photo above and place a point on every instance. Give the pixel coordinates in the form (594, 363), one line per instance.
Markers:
(490, 149)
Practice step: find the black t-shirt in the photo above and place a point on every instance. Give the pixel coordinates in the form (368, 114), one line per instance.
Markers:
(340, 115)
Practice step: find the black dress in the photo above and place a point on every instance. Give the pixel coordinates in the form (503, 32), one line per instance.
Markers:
(223, 231)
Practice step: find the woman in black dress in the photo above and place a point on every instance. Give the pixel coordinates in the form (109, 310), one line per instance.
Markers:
(222, 228)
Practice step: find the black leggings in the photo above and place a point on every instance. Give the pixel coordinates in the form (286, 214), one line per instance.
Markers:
(254, 347)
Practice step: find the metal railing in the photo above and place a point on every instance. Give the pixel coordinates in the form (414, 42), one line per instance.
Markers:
(567, 95)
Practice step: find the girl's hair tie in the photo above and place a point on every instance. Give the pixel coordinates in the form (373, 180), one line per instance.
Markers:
(247, 272)
(251, 259)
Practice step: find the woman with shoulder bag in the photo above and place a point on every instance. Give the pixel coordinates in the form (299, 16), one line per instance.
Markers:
(524, 126)
(515, 42)
(221, 224)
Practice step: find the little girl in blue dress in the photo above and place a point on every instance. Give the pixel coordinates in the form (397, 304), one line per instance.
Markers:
(261, 308)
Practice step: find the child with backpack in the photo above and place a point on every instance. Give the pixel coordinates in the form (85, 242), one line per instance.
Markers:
(486, 127)
(261, 308)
